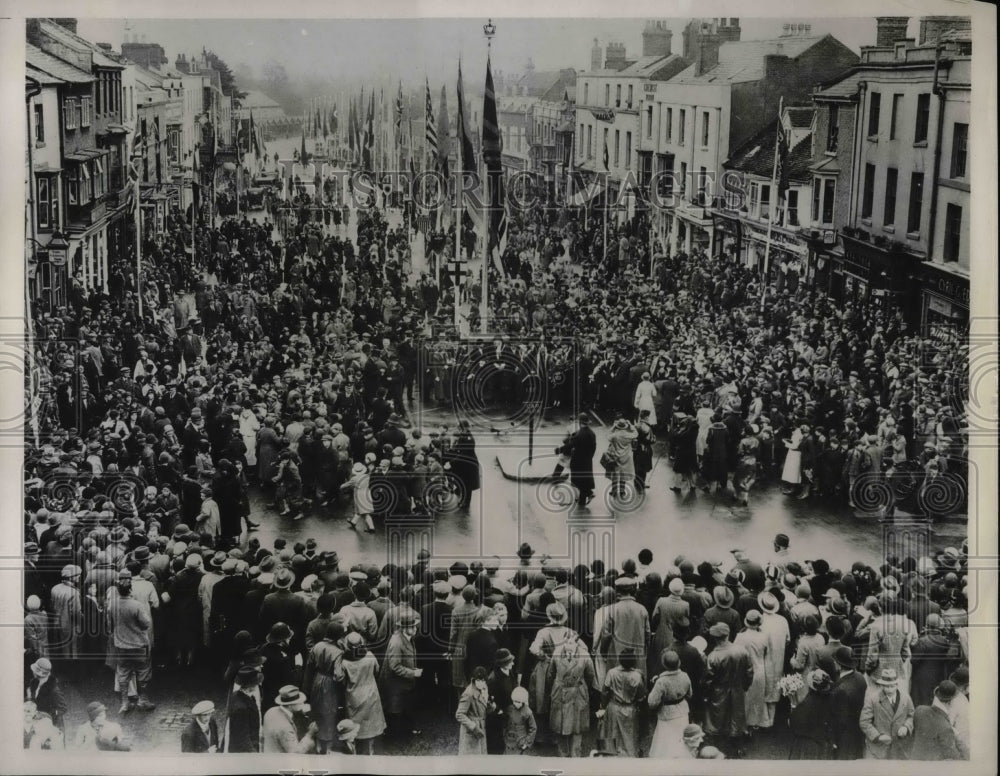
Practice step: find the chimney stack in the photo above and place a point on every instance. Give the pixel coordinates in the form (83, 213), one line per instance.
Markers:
(889, 29)
(615, 58)
(656, 39)
(708, 53)
(595, 56)
(933, 27)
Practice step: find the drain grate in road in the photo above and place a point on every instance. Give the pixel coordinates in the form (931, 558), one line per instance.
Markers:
(176, 721)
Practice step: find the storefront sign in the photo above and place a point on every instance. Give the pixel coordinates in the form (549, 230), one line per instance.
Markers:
(650, 91)
(603, 115)
(778, 239)
(951, 287)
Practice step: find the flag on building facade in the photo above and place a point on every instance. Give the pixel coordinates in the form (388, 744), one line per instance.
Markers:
(465, 144)
(607, 158)
(399, 115)
(368, 145)
(351, 128)
(430, 131)
(781, 161)
(492, 150)
(443, 133)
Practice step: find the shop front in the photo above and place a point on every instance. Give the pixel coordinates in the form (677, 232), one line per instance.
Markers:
(727, 236)
(788, 256)
(945, 299)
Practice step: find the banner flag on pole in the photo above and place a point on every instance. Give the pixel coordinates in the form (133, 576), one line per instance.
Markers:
(492, 150)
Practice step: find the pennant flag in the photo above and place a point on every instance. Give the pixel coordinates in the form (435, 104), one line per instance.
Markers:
(492, 149)
(781, 161)
(303, 156)
(606, 157)
(430, 134)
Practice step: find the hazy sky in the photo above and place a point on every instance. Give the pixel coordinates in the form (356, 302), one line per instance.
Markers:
(356, 48)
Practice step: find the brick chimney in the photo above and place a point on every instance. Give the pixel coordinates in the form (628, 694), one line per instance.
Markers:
(595, 56)
(889, 29)
(933, 27)
(615, 57)
(656, 39)
(708, 51)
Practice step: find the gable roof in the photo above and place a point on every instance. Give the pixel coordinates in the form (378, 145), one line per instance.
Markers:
(67, 38)
(743, 60)
(55, 67)
(800, 117)
(844, 89)
(756, 156)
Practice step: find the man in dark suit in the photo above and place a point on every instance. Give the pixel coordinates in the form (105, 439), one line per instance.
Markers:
(846, 701)
(282, 605)
(583, 446)
(432, 643)
(933, 734)
(45, 691)
(244, 718)
(201, 735)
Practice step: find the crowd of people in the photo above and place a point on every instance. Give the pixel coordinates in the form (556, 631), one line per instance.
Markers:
(294, 374)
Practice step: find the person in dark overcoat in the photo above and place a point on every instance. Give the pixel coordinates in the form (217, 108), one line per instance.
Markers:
(185, 613)
(465, 463)
(933, 735)
(728, 675)
(932, 658)
(809, 721)
(583, 447)
(715, 463)
(684, 451)
(846, 701)
(244, 715)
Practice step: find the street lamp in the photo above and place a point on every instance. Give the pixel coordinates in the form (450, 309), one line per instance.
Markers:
(489, 30)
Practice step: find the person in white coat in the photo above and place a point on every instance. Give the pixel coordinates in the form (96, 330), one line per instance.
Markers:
(645, 394)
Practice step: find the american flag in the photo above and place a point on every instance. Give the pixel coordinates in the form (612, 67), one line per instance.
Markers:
(431, 131)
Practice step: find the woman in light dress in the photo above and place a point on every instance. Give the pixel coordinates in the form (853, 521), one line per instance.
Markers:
(791, 474)
(668, 699)
(645, 394)
(704, 417)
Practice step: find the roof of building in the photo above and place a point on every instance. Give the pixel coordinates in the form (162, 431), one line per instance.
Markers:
(257, 99)
(536, 83)
(45, 79)
(800, 117)
(756, 156)
(743, 60)
(61, 34)
(845, 88)
(54, 66)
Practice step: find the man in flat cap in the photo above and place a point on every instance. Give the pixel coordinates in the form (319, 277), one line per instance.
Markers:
(201, 735)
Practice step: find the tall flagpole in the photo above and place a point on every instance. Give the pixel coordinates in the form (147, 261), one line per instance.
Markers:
(138, 242)
(489, 30)
(774, 208)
